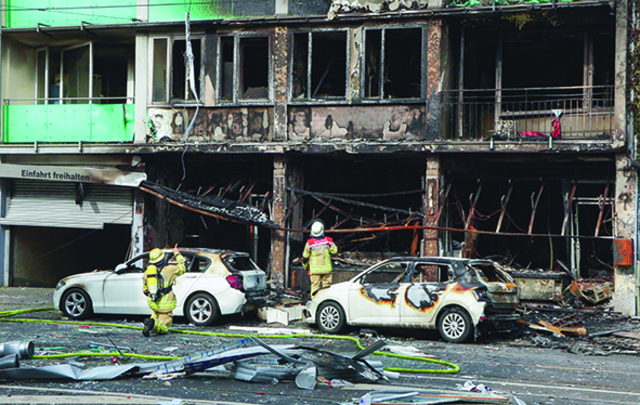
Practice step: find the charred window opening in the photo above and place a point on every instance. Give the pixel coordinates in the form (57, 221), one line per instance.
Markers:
(226, 68)
(535, 82)
(319, 65)
(169, 56)
(300, 65)
(384, 77)
(244, 68)
(254, 60)
(180, 88)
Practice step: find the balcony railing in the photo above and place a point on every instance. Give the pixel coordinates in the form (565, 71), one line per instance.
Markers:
(79, 119)
(584, 113)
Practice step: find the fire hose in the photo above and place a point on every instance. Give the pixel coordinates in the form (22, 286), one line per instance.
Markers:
(452, 368)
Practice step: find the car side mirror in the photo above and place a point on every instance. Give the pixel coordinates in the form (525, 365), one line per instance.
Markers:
(121, 267)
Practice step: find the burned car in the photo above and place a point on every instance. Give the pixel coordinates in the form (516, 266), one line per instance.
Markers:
(216, 282)
(459, 297)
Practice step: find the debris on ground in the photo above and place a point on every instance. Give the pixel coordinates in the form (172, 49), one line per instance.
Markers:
(419, 396)
(597, 330)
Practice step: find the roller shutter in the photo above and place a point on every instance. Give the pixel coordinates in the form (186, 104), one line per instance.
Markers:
(53, 204)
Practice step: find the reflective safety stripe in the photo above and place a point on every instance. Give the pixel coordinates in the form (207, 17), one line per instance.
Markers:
(161, 327)
(162, 305)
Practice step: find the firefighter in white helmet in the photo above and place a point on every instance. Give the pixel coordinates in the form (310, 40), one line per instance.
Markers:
(157, 282)
(317, 257)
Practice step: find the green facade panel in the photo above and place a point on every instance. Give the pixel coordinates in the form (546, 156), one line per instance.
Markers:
(30, 13)
(174, 10)
(72, 123)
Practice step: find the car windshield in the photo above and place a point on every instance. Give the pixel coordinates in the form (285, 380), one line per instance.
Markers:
(241, 263)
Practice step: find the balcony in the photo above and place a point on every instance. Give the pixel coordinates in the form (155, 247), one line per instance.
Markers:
(46, 120)
(583, 113)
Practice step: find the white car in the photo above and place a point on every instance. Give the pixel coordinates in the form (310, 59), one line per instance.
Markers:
(455, 296)
(216, 282)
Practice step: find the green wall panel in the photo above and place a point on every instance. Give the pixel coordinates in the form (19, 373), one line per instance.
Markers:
(62, 123)
(173, 10)
(28, 13)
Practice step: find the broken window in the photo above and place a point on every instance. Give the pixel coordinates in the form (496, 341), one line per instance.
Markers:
(244, 68)
(386, 274)
(384, 77)
(93, 72)
(319, 65)
(513, 87)
(169, 56)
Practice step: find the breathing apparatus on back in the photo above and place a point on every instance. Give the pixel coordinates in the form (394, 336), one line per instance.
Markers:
(155, 281)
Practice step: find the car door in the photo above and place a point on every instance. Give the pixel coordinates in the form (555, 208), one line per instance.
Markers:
(425, 293)
(122, 289)
(374, 298)
(192, 279)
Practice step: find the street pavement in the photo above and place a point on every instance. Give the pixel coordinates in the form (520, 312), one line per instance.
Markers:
(516, 366)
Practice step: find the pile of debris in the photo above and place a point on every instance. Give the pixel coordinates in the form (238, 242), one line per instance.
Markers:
(597, 330)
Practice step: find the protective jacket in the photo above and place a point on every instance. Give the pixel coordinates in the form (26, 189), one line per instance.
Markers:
(318, 252)
(169, 273)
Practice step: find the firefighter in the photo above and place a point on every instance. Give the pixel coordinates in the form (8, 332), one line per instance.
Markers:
(317, 257)
(157, 285)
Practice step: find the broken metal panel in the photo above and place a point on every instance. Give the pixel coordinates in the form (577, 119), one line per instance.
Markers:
(593, 292)
(211, 206)
(70, 372)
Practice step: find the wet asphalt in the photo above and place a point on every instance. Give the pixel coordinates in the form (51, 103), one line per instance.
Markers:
(506, 364)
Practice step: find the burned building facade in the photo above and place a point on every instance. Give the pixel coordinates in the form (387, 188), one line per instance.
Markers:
(495, 129)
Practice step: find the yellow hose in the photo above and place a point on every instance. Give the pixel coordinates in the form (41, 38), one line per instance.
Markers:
(453, 368)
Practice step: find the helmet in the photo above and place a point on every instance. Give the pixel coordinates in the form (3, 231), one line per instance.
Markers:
(317, 229)
(156, 256)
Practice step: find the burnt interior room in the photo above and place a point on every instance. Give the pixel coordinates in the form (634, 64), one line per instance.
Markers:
(243, 178)
(563, 197)
(540, 54)
(364, 191)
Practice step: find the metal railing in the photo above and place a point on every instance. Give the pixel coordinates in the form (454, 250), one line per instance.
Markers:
(70, 100)
(583, 113)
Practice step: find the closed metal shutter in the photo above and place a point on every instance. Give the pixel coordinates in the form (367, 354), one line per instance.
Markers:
(53, 204)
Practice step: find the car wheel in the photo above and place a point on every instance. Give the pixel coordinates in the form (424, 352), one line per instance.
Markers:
(455, 325)
(202, 310)
(76, 304)
(330, 317)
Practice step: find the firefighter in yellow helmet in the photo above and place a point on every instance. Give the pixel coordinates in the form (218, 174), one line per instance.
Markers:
(316, 257)
(156, 285)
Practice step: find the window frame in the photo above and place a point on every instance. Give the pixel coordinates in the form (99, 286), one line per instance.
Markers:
(168, 80)
(309, 98)
(236, 99)
(363, 65)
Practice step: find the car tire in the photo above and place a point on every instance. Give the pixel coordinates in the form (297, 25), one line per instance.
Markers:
(454, 325)
(202, 310)
(330, 317)
(76, 304)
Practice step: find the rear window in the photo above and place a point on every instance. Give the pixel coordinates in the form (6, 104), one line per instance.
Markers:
(489, 273)
(240, 263)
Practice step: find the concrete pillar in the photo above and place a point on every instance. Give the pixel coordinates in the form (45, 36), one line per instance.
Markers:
(141, 88)
(626, 226)
(279, 238)
(281, 53)
(432, 205)
(436, 72)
